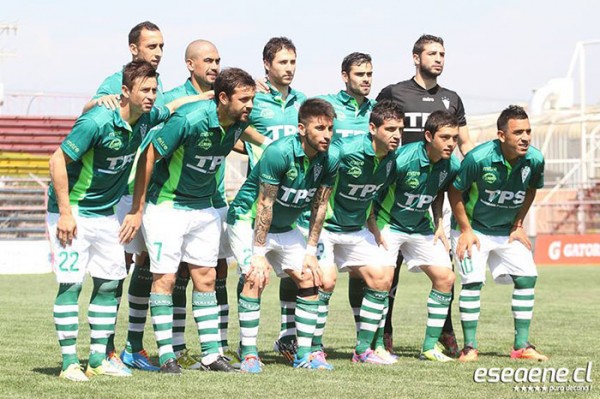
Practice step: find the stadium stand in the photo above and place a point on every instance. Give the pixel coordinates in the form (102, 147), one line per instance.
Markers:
(26, 144)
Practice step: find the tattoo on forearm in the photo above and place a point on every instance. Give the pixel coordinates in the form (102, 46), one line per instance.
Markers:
(318, 209)
(264, 213)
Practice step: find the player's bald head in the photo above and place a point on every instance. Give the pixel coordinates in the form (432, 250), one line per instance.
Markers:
(197, 47)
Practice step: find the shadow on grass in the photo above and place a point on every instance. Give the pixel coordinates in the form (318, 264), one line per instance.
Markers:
(51, 371)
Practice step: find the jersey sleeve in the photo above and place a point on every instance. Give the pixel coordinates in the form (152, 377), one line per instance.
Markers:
(272, 166)
(460, 112)
(467, 173)
(332, 166)
(110, 85)
(171, 136)
(159, 114)
(82, 137)
(537, 179)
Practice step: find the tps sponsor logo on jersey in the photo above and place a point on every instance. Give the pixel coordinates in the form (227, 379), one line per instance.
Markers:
(416, 202)
(361, 192)
(207, 164)
(446, 102)
(415, 121)
(116, 164)
(295, 196)
(525, 173)
(278, 131)
(504, 199)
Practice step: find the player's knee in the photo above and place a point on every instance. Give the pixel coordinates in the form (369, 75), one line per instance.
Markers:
(523, 282)
(328, 282)
(163, 283)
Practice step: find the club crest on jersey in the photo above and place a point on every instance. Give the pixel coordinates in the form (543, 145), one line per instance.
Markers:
(267, 113)
(524, 173)
(446, 102)
(355, 171)
(143, 130)
(317, 171)
(443, 176)
(115, 144)
(238, 132)
(388, 168)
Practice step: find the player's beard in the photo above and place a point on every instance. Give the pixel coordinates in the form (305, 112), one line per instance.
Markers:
(427, 74)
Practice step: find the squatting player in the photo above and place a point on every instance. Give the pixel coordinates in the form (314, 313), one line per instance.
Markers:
(419, 97)
(293, 173)
(494, 188)
(366, 164)
(422, 173)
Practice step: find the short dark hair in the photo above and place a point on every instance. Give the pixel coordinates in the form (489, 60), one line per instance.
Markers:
(229, 79)
(439, 119)
(136, 31)
(314, 108)
(274, 45)
(510, 112)
(423, 40)
(384, 111)
(354, 59)
(135, 70)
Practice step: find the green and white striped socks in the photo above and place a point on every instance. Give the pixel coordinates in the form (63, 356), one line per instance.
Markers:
(206, 315)
(306, 324)
(102, 316)
(522, 308)
(66, 321)
(371, 313)
(438, 304)
(323, 311)
(249, 316)
(469, 305)
(161, 310)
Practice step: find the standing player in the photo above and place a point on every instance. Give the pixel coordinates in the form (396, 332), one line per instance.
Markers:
(494, 188)
(190, 150)
(145, 44)
(352, 107)
(423, 172)
(204, 63)
(419, 97)
(294, 172)
(366, 162)
(89, 174)
(275, 115)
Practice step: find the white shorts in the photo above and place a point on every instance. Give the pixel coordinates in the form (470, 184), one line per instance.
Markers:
(320, 246)
(181, 235)
(137, 245)
(285, 251)
(418, 250)
(224, 247)
(357, 248)
(96, 249)
(504, 259)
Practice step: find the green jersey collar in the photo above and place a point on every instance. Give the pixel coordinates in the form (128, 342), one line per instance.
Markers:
(498, 157)
(422, 153)
(120, 122)
(213, 116)
(346, 99)
(297, 147)
(368, 144)
(277, 95)
(189, 88)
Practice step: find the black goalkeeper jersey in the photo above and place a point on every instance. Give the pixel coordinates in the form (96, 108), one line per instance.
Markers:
(417, 103)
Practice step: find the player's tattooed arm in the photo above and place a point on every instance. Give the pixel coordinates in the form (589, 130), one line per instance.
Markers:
(258, 274)
(318, 209)
(264, 213)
